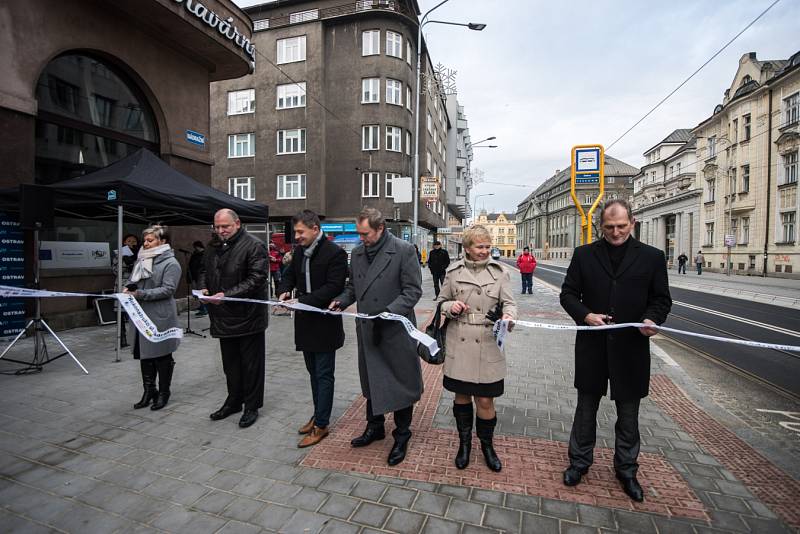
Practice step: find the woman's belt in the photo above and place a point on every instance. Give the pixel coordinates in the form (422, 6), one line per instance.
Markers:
(473, 318)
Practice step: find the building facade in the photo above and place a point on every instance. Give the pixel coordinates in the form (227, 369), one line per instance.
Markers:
(547, 220)
(459, 177)
(666, 197)
(748, 168)
(503, 230)
(326, 121)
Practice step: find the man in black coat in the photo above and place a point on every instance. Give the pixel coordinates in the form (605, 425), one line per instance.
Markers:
(614, 280)
(235, 265)
(318, 272)
(438, 260)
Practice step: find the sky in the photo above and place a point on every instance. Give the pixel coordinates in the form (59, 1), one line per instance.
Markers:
(546, 75)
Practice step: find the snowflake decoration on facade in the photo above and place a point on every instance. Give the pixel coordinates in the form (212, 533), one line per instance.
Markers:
(441, 83)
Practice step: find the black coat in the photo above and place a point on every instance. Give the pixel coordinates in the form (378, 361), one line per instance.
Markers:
(314, 332)
(638, 290)
(238, 268)
(438, 260)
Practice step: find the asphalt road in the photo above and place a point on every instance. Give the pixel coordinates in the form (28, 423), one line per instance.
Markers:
(712, 314)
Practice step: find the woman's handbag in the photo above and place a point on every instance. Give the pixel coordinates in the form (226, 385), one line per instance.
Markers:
(438, 332)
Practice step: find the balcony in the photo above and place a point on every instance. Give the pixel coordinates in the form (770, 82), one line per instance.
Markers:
(344, 10)
(461, 124)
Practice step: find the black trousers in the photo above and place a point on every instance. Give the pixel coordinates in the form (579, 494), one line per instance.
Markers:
(584, 435)
(438, 279)
(244, 362)
(402, 420)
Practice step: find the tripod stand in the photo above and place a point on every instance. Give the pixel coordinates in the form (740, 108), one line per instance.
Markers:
(189, 284)
(41, 356)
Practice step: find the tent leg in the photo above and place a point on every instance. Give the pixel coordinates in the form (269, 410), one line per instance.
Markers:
(119, 279)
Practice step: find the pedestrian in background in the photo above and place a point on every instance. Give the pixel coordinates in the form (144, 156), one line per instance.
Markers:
(699, 260)
(235, 265)
(614, 280)
(476, 292)
(317, 274)
(526, 263)
(384, 277)
(438, 260)
(275, 267)
(193, 273)
(683, 259)
(153, 282)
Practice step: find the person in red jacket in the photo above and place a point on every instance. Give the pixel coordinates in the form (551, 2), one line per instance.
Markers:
(526, 264)
(274, 267)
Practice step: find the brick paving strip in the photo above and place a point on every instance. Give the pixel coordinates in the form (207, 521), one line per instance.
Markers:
(532, 466)
(771, 485)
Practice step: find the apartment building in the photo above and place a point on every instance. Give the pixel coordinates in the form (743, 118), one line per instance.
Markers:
(326, 121)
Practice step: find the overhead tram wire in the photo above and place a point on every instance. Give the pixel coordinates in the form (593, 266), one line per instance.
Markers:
(684, 82)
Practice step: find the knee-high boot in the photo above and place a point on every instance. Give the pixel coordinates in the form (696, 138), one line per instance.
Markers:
(149, 383)
(484, 428)
(464, 416)
(165, 365)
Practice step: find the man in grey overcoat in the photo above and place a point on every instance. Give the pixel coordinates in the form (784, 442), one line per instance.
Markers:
(385, 276)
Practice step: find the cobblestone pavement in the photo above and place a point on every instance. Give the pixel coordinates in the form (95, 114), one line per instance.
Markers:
(75, 456)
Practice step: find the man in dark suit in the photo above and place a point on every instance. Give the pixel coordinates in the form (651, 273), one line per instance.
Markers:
(384, 277)
(438, 260)
(614, 280)
(317, 272)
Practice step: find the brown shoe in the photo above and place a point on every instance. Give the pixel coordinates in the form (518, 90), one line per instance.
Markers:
(312, 438)
(306, 428)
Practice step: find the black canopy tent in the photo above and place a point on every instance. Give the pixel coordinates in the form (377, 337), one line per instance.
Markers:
(143, 187)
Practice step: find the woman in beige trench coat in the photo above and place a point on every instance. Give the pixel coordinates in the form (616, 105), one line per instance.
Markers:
(475, 367)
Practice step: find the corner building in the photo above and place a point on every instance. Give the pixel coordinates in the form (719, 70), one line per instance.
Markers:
(326, 121)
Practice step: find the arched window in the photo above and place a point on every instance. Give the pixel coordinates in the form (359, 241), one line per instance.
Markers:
(90, 116)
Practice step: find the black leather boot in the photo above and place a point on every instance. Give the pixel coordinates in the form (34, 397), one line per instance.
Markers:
(165, 365)
(149, 383)
(484, 428)
(464, 416)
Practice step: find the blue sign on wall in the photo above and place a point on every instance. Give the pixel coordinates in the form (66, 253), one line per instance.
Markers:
(338, 227)
(12, 273)
(195, 138)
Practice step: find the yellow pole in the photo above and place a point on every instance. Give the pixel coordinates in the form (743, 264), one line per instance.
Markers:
(586, 218)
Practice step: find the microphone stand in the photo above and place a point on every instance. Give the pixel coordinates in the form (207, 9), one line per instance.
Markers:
(190, 283)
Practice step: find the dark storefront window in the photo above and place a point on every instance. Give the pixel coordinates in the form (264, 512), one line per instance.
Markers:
(90, 115)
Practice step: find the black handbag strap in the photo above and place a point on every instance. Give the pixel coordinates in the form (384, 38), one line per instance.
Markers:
(437, 327)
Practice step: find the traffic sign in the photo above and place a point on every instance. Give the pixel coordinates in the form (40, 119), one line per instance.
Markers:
(730, 240)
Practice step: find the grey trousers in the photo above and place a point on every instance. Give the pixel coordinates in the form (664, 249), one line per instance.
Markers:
(584, 435)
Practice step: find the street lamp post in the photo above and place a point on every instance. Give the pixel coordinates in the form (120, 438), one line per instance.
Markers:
(423, 21)
(475, 203)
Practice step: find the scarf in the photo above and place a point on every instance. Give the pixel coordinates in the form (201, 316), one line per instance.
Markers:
(476, 266)
(305, 267)
(144, 264)
(374, 249)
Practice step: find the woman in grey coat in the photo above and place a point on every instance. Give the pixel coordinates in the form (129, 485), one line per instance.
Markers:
(153, 282)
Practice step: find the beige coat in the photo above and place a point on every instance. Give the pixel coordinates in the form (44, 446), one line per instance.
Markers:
(472, 353)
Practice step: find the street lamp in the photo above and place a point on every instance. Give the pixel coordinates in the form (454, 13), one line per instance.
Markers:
(486, 146)
(492, 138)
(475, 202)
(423, 21)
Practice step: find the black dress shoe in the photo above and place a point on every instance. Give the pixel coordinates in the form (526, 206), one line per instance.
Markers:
(398, 452)
(370, 434)
(572, 475)
(632, 488)
(224, 412)
(248, 418)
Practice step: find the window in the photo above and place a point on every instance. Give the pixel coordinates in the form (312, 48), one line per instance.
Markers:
(394, 44)
(712, 146)
(677, 169)
(408, 98)
(387, 188)
(731, 183)
(671, 171)
(291, 95)
(394, 92)
(709, 234)
(745, 178)
(370, 184)
(370, 90)
(371, 43)
(746, 127)
(408, 52)
(735, 130)
(430, 123)
(303, 16)
(435, 139)
(242, 145)
(292, 49)
(291, 186)
(262, 24)
(408, 142)
(428, 160)
(792, 106)
(242, 188)
(241, 101)
(292, 141)
(745, 237)
(369, 137)
(787, 222)
(711, 190)
(435, 169)
(393, 139)
(790, 168)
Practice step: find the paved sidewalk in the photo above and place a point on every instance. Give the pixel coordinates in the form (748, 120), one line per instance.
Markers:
(75, 456)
